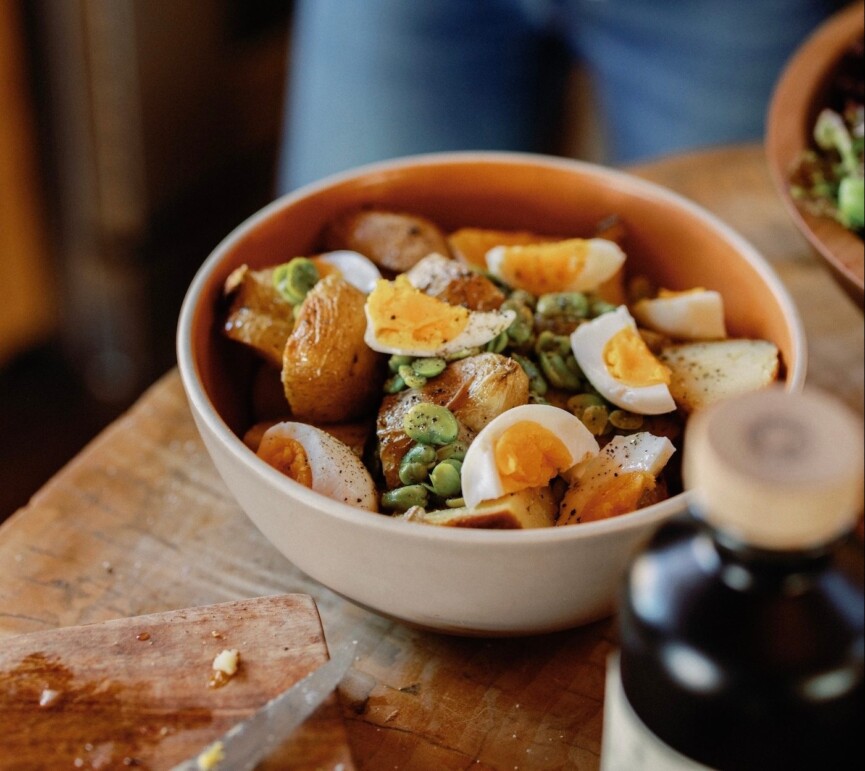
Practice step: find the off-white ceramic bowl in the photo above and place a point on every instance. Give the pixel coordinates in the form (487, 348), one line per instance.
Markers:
(458, 580)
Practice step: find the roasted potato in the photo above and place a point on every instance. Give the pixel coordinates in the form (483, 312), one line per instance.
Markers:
(535, 507)
(482, 387)
(620, 495)
(259, 316)
(475, 390)
(329, 373)
(708, 372)
(392, 240)
(454, 283)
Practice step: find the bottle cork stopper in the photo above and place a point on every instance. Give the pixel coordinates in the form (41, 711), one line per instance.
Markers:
(776, 470)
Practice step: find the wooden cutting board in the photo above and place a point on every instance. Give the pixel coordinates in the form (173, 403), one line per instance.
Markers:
(137, 693)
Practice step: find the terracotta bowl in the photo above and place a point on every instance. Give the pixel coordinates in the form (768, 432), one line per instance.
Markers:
(800, 95)
(477, 582)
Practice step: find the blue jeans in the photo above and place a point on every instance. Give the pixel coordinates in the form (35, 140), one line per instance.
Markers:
(376, 79)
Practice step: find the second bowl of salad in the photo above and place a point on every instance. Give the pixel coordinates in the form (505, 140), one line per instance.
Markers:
(815, 139)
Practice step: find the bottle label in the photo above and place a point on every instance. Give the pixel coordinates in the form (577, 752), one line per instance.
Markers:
(628, 745)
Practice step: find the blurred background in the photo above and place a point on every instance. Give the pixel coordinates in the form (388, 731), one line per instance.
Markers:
(134, 135)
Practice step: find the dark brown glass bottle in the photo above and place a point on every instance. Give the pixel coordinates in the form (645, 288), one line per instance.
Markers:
(741, 623)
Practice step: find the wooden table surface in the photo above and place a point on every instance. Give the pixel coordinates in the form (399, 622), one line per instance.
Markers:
(140, 522)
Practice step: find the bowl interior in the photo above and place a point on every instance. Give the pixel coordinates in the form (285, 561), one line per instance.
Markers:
(800, 95)
(668, 239)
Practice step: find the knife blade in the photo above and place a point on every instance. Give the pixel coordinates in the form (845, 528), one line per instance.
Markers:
(246, 744)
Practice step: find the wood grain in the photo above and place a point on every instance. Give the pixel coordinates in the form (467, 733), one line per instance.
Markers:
(140, 522)
(138, 692)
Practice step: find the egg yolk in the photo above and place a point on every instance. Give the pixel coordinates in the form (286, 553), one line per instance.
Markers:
(529, 455)
(668, 293)
(405, 317)
(629, 360)
(544, 268)
(287, 456)
(471, 245)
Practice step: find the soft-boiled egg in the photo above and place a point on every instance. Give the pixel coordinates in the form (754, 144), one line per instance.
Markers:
(357, 270)
(696, 314)
(616, 480)
(575, 265)
(317, 460)
(618, 363)
(403, 320)
(524, 447)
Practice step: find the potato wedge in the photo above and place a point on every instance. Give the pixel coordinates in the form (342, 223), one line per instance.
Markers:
(709, 372)
(454, 283)
(532, 508)
(619, 495)
(329, 373)
(392, 240)
(259, 316)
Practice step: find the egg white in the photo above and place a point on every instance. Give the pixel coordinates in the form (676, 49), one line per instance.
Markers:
(355, 268)
(697, 315)
(480, 475)
(336, 471)
(588, 342)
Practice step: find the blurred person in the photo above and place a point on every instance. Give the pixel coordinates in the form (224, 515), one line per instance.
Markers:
(376, 79)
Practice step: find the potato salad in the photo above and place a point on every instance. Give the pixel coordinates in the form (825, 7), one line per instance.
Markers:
(478, 377)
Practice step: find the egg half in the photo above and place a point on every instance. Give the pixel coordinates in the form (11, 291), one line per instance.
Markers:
(357, 270)
(317, 460)
(403, 320)
(618, 363)
(696, 314)
(575, 265)
(523, 448)
(615, 480)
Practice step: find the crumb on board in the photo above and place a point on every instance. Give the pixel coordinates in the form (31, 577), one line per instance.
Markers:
(227, 661)
(211, 757)
(224, 667)
(48, 697)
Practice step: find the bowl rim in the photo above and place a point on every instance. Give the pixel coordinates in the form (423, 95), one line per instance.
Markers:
(628, 182)
(804, 76)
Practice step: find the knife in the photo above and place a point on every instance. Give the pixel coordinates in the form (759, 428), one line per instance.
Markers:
(246, 744)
